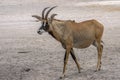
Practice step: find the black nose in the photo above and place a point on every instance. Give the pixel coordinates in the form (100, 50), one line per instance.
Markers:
(39, 32)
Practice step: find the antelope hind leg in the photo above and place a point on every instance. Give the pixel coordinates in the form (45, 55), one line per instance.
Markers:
(100, 49)
(75, 59)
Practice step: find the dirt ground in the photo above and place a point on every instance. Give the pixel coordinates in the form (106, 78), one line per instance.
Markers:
(25, 55)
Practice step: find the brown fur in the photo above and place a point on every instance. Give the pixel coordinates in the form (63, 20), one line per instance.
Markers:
(76, 35)
(80, 35)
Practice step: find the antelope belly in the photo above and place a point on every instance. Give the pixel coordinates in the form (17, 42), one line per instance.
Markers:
(82, 43)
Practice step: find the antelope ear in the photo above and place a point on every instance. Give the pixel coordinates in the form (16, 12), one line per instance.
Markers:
(37, 17)
(52, 17)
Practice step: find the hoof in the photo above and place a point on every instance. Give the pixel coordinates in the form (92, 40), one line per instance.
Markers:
(97, 70)
(79, 71)
(62, 77)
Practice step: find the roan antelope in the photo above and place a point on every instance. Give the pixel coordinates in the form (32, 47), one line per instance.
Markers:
(73, 35)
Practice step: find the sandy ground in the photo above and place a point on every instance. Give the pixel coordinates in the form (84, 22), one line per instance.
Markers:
(25, 55)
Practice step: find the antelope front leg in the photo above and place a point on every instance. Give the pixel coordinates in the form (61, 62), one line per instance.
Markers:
(65, 61)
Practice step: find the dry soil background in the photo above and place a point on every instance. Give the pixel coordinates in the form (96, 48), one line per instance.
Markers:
(25, 55)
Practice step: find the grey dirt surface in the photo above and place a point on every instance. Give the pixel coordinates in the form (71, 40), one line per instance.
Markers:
(25, 55)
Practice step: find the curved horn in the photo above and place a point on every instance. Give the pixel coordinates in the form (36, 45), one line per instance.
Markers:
(43, 12)
(49, 12)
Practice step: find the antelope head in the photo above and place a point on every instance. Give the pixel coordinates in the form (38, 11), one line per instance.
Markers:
(45, 21)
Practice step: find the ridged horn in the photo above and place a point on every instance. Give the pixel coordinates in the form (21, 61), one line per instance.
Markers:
(43, 12)
(49, 11)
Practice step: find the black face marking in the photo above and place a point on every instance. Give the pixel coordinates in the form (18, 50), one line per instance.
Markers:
(44, 26)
